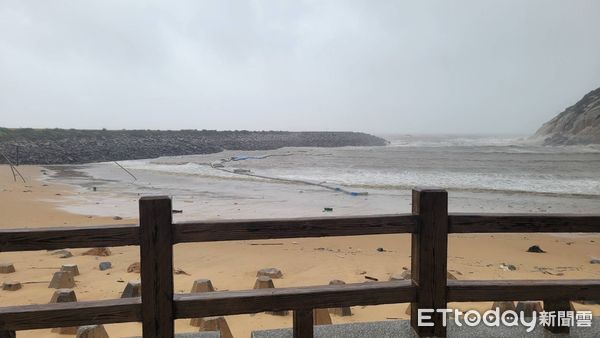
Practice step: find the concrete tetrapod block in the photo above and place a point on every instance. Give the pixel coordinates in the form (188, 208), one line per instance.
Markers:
(270, 272)
(64, 296)
(132, 289)
(340, 311)
(528, 307)
(7, 268)
(200, 285)
(92, 331)
(265, 282)
(72, 268)
(62, 280)
(215, 324)
(11, 286)
(503, 306)
(321, 317)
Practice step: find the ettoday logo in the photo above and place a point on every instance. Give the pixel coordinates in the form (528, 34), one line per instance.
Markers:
(507, 318)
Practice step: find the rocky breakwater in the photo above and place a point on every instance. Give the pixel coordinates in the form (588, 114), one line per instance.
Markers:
(71, 146)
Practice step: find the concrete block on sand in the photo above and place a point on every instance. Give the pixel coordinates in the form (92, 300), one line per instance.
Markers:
(132, 289)
(321, 317)
(11, 286)
(265, 282)
(200, 285)
(7, 268)
(72, 268)
(340, 311)
(64, 296)
(92, 331)
(216, 324)
(270, 272)
(503, 306)
(62, 280)
(528, 307)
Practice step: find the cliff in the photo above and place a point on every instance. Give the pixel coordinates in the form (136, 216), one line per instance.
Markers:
(63, 146)
(578, 124)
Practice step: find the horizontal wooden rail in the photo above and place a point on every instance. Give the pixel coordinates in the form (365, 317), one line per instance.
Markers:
(29, 317)
(514, 290)
(68, 237)
(252, 301)
(227, 230)
(253, 229)
(519, 223)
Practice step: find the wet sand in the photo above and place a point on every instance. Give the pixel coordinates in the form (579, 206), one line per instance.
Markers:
(233, 265)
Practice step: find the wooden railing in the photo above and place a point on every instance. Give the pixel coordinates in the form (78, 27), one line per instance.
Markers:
(429, 223)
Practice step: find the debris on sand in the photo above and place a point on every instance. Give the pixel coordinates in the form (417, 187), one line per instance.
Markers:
(103, 252)
(535, 249)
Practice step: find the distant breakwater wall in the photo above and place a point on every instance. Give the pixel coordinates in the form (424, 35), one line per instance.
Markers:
(73, 146)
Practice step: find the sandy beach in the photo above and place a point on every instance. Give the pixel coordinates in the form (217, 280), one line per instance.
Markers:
(233, 265)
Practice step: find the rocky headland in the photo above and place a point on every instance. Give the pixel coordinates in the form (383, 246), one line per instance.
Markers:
(578, 124)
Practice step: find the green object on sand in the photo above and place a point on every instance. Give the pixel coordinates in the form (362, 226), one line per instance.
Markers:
(327, 209)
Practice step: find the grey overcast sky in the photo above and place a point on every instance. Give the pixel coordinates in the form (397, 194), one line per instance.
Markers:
(376, 66)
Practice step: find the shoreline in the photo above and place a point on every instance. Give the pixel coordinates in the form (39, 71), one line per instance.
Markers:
(304, 261)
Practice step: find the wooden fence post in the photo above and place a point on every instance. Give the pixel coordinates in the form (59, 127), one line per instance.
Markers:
(429, 258)
(8, 334)
(303, 323)
(156, 259)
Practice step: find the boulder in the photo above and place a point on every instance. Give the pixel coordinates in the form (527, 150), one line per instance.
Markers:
(64, 296)
(72, 268)
(103, 252)
(63, 253)
(215, 324)
(92, 331)
(595, 261)
(132, 289)
(340, 311)
(104, 266)
(270, 272)
(62, 280)
(11, 286)
(527, 308)
(7, 268)
(134, 267)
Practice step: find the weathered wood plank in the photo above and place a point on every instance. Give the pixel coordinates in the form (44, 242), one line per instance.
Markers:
(514, 290)
(29, 317)
(68, 237)
(228, 230)
(519, 223)
(303, 326)
(156, 257)
(253, 301)
(429, 258)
